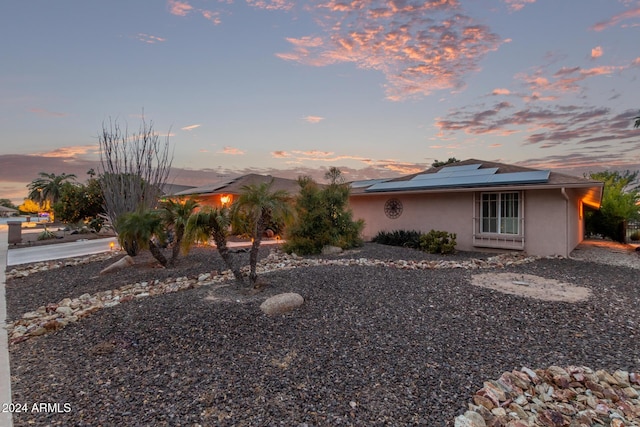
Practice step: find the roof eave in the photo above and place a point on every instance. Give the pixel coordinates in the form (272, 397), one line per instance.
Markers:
(483, 188)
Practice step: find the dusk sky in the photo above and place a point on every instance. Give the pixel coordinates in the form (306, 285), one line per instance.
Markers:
(376, 88)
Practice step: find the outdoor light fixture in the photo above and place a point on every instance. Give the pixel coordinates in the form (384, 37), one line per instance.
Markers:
(111, 245)
(224, 199)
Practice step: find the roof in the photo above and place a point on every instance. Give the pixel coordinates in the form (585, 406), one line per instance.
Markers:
(171, 189)
(474, 175)
(234, 186)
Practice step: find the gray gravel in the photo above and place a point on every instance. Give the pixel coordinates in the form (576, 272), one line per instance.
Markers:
(370, 346)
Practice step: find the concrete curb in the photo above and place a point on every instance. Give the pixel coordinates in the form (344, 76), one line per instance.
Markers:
(6, 419)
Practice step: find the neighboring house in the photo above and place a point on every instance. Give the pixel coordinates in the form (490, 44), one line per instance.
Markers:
(5, 211)
(487, 205)
(225, 192)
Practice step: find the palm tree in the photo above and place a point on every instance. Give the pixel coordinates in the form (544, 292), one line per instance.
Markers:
(176, 215)
(48, 187)
(139, 230)
(260, 206)
(212, 222)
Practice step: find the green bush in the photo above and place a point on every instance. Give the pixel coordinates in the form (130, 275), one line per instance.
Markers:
(405, 238)
(322, 218)
(438, 242)
(635, 236)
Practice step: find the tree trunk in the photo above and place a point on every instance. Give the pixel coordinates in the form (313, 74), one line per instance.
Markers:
(253, 253)
(157, 253)
(223, 250)
(177, 242)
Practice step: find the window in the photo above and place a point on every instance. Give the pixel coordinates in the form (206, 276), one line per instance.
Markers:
(500, 213)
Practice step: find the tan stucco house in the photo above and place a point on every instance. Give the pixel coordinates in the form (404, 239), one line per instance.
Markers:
(488, 205)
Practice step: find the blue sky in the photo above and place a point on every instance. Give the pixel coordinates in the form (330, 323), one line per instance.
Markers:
(376, 88)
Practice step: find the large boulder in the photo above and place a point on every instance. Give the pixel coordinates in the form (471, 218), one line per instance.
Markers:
(282, 303)
(123, 262)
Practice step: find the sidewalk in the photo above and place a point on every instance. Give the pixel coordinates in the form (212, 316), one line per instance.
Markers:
(5, 371)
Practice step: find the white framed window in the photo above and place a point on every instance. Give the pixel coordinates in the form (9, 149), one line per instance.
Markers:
(500, 213)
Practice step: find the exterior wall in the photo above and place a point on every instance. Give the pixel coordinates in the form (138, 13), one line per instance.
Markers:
(545, 222)
(451, 212)
(552, 224)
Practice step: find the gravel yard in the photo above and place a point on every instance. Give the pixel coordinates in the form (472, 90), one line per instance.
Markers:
(370, 346)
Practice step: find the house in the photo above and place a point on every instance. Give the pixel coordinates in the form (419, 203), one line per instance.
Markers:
(488, 205)
(225, 192)
(5, 211)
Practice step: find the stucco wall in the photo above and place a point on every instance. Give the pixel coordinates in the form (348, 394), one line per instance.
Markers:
(548, 228)
(452, 212)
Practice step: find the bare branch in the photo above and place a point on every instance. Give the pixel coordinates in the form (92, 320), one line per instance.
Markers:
(134, 168)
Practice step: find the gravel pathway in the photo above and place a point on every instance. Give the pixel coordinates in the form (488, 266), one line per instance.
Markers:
(370, 346)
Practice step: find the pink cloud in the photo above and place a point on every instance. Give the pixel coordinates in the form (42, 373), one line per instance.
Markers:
(616, 19)
(516, 5)
(47, 113)
(272, 4)
(420, 46)
(501, 91)
(69, 152)
(147, 38)
(596, 52)
(564, 80)
(190, 127)
(280, 154)
(179, 8)
(313, 119)
(232, 151)
(211, 16)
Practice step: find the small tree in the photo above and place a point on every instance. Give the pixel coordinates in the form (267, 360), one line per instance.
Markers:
(438, 163)
(323, 217)
(619, 204)
(7, 203)
(47, 189)
(143, 229)
(80, 202)
(175, 215)
(259, 205)
(133, 168)
(29, 206)
(214, 223)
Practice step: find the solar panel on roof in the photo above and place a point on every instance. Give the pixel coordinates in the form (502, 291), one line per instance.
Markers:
(366, 183)
(529, 177)
(459, 168)
(440, 175)
(520, 177)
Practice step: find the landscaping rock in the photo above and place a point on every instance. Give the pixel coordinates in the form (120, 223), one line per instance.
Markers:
(282, 303)
(331, 250)
(123, 262)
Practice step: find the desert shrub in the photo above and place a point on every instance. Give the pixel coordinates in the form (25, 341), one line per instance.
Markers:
(438, 242)
(405, 238)
(46, 235)
(635, 236)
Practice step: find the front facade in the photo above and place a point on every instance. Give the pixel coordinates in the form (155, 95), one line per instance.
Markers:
(488, 205)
